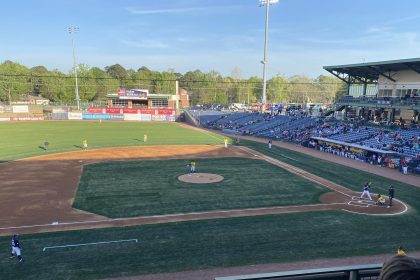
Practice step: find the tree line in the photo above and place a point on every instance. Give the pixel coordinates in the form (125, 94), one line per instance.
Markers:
(94, 84)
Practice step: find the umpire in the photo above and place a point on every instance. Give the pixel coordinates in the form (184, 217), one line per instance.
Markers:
(390, 195)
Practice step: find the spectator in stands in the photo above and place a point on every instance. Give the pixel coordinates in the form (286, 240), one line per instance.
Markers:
(401, 267)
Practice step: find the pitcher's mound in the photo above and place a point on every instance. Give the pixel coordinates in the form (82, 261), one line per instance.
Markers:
(200, 178)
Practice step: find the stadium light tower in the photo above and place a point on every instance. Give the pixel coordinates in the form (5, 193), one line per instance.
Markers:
(267, 4)
(73, 30)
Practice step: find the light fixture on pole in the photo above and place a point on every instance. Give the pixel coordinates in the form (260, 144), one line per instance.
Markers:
(267, 4)
(72, 30)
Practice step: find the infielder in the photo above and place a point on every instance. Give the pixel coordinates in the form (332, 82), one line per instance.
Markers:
(366, 191)
(16, 248)
(226, 142)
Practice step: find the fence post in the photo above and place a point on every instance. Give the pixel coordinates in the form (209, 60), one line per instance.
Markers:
(354, 275)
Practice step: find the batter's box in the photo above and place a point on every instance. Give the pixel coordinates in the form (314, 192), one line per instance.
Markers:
(353, 203)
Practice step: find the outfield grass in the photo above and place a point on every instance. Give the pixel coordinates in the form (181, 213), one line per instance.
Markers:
(208, 244)
(25, 139)
(140, 188)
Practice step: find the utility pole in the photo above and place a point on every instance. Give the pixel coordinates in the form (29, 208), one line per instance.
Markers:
(267, 4)
(72, 30)
(10, 99)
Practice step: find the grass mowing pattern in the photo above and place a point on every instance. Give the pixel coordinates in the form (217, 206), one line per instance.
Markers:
(25, 139)
(225, 242)
(206, 244)
(346, 176)
(141, 188)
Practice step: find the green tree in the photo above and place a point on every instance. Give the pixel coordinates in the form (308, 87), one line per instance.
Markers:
(301, 89)
(117, 72)
(277, 88)
(330, 88)
(13, 81)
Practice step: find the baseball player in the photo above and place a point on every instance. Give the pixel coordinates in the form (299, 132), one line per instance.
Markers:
(145, 138)
(366, 191)
(85, 144)
(192, 166)
(401, 251)
(390, 195)
(380, 200)
(226, 142)
(16, 248)
(46, 145)
(270, 142)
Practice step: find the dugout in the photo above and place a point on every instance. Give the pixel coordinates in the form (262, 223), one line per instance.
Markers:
(365, 153)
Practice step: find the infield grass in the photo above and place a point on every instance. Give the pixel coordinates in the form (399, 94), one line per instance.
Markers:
(140, 188)
(25, 139)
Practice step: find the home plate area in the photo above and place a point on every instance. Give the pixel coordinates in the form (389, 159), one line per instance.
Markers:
(360, 202)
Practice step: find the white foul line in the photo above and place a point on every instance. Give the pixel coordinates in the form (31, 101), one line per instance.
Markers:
(89, 244)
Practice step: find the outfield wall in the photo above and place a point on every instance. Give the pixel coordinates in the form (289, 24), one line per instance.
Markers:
(114, 114)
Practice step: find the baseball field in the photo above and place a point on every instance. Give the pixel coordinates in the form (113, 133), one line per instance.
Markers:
(119, 208)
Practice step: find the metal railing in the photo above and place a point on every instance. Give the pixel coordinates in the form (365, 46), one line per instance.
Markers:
(357, 272)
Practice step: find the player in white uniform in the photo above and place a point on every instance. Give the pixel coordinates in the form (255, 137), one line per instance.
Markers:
(366, 191)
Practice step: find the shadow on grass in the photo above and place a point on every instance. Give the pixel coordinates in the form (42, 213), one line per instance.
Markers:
(77, 146)
(42, 148)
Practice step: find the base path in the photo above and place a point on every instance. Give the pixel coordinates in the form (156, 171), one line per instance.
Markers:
(36, 194)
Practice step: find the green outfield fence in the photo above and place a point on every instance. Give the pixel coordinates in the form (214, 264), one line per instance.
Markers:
(357, 272)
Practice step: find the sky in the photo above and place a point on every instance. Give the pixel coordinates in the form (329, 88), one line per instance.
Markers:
(220, 35)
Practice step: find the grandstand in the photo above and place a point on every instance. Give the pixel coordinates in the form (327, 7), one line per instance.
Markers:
(384, 92)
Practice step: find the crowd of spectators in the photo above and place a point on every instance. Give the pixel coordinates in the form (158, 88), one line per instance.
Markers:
(372, 144)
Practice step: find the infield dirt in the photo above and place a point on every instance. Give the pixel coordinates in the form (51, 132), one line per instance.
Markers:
(37, 192)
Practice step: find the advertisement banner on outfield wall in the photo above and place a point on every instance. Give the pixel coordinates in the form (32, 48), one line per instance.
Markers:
(96, 116)
(113, 110)
(146, 117)
(149, 111)
(27, 118)
(117, 117)
(74, 116)
(59, 116)
(166, 111)
(20, 109)
(159, 118)
(132, 117)
(171, 118)
(130, 111)
(4, 119)
(93, 110)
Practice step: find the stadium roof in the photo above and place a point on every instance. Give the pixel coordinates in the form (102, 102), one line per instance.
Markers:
(369, 72)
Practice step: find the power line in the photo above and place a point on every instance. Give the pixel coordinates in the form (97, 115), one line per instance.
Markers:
(29, 76)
